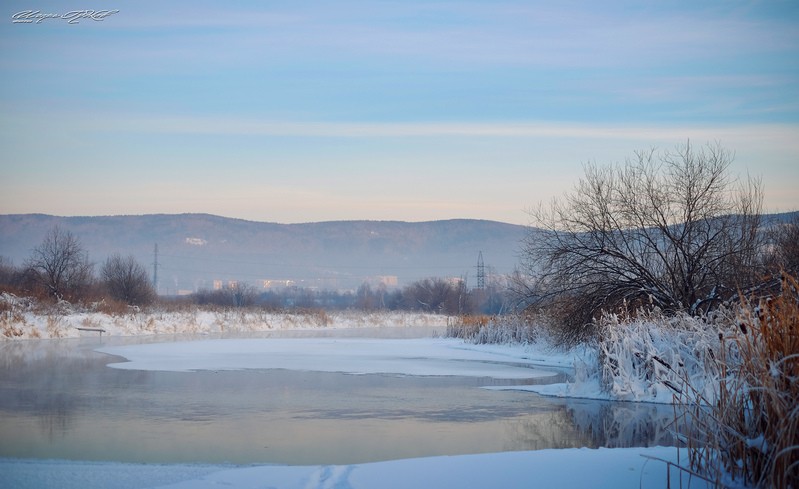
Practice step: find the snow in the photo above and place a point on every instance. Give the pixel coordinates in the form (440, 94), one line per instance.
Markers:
(648, 360)
(562, 468)
(618, 468)
(423, 357)
(23, 320)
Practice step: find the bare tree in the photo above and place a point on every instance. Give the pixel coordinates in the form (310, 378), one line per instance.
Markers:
(783, 252)
(127, 280)
(237, 294)
(437, 295)
(670, 230)
(365, 298)
(8, 273)
(61, 265)
(243, 295)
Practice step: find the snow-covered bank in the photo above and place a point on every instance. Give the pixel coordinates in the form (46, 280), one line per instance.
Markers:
(619, 468)
(22, 319)
(645, 359)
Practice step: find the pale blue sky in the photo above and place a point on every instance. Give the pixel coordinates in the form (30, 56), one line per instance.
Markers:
(299, 111)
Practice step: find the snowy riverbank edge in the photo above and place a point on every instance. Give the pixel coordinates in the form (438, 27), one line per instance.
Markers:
(618, 468)
(23, 319)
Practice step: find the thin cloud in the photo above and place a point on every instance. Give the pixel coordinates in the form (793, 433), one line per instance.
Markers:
(469, 35)
(256, 127)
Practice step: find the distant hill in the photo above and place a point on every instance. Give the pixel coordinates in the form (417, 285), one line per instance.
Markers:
(197, 249)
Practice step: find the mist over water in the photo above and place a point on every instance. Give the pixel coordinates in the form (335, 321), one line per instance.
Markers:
(58, 399)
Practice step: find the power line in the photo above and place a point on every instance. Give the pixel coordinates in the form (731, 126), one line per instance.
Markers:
(481, 272)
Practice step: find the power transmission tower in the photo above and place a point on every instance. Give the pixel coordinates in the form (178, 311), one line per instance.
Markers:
(155, 268)
(481, 272)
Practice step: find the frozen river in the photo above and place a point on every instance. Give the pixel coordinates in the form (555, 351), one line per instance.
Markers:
(60, 400)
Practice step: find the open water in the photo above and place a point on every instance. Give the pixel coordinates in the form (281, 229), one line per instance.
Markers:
(59, 400)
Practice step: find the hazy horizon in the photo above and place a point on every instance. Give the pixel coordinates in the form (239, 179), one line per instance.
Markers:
(422, 221)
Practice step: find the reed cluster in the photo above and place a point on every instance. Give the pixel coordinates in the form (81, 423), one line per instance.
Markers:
(749, 433)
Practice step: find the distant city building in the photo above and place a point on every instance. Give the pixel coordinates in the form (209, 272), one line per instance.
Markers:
(230, 285)
(386, 280)
(277, 284)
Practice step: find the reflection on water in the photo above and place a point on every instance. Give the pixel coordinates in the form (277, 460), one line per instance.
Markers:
(59, 400)
(624, 424)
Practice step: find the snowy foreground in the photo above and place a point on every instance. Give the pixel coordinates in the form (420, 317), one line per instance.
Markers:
(617, 468)
(563, 468)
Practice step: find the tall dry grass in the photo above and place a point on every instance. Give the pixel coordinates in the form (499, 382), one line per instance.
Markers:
(483, 329)
(466, 326)
(749, 434)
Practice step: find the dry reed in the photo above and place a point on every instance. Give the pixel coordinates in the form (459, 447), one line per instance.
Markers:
(749, 434)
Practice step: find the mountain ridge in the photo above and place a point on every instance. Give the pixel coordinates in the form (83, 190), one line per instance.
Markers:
(197, 249)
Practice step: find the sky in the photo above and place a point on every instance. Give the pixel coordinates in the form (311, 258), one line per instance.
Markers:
(308, 111)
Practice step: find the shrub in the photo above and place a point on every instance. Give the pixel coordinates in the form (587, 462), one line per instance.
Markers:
(650, 356)
(126, 280)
